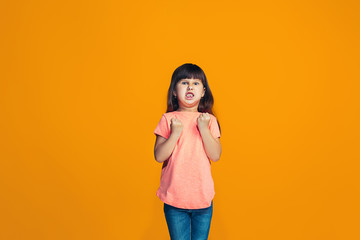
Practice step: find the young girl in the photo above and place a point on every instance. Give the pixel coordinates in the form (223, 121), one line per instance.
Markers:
(187, 140)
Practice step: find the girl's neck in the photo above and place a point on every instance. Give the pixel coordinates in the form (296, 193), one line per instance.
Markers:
(187, 110)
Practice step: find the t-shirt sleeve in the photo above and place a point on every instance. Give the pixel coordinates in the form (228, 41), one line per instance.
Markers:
(214, 127)
(162, 128)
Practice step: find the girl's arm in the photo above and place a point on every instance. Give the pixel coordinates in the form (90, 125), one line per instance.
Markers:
(212, 145)
(164, 147)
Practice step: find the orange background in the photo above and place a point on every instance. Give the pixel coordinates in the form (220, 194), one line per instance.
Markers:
(84, 84)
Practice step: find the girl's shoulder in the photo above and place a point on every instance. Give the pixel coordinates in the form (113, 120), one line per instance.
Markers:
(168, 115)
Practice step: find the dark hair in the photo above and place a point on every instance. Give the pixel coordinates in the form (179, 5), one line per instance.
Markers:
(188, 71)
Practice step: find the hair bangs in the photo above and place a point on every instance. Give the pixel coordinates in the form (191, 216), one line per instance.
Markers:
(190, 73)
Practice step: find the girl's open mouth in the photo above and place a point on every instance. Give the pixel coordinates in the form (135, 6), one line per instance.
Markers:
(189, 96)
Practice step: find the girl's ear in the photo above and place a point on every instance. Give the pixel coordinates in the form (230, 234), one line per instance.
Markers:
(203, 93)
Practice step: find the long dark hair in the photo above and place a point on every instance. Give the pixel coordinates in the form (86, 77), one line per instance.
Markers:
(188, 71)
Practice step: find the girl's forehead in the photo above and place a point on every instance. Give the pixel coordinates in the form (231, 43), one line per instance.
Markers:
(194, 79)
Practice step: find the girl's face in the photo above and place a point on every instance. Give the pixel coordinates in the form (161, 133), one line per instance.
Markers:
(189, 92)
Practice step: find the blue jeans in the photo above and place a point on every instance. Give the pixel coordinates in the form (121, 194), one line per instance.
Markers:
(188, 224)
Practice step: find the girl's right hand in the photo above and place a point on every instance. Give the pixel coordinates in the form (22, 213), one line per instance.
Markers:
(176, 126)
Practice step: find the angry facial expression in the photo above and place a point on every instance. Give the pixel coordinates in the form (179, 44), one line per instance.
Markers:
(189, 93)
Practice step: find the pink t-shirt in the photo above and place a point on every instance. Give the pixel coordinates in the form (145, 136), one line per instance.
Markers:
(186, 180)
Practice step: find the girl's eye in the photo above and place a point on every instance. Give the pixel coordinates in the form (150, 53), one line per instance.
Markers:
(183, 82)
(196, 83)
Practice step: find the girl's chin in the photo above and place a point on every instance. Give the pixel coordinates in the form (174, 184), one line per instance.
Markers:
(191, 99)
(190, 103)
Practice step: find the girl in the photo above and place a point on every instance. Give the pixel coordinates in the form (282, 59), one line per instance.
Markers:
(187, 140)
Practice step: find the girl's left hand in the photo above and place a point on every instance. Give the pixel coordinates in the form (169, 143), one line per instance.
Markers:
(203, 120)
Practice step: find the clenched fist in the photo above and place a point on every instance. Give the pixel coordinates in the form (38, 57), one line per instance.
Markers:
(203, 120)
(176, 126)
